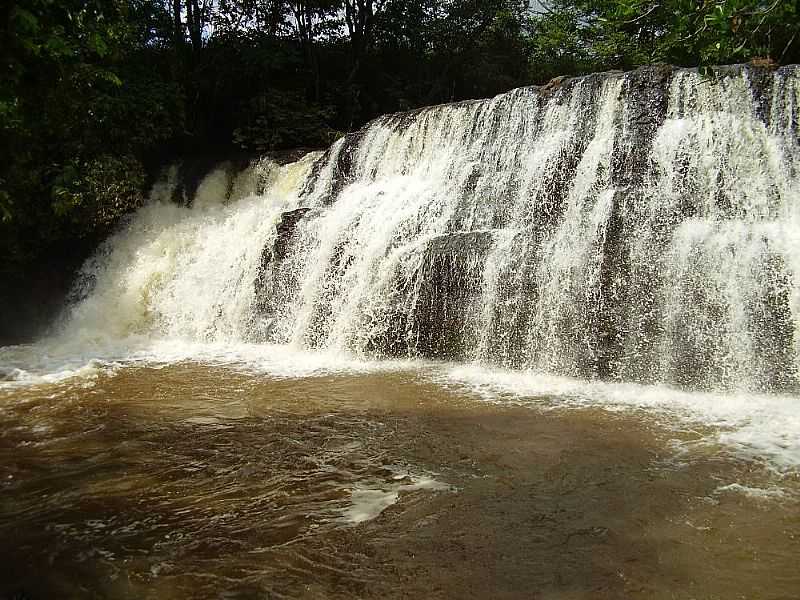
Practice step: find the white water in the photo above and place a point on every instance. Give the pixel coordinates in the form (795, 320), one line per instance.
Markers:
(762, 426)
(538, 232)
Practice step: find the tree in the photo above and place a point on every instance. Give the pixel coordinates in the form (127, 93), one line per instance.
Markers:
(592, 35)
(96, 94)
(67, 113)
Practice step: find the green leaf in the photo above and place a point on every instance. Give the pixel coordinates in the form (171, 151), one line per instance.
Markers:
(24, 21)
(57, 46)
(110, 78)
(98, 45)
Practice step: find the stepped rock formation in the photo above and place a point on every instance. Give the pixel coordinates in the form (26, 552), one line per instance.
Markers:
(640, 226)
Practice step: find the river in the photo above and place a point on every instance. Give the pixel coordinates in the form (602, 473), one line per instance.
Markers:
(544, 345)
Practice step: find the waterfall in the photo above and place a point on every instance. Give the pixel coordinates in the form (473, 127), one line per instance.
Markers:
(640, 226)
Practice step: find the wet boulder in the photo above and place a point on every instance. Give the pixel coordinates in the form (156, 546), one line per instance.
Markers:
(450, 285)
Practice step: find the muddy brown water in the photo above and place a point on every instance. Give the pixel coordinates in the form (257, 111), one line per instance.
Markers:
(191, 481)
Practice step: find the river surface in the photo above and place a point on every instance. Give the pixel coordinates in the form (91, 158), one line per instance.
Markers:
(329, 478)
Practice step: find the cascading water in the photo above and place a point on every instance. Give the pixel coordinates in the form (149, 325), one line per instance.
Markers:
(208, 419)
(641, 226)
(186, 272)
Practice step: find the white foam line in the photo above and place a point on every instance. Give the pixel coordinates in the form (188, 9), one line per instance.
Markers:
(274, 360)
(38, 364)
(22, 366)
(752, 492)
(752, 425)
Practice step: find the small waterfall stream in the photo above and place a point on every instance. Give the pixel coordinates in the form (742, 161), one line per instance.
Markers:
(640, 227)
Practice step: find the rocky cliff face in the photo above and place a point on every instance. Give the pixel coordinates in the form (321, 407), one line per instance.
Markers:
(636, 226)
(624, 225)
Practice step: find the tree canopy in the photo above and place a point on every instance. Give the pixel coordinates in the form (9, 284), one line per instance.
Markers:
(94, 94)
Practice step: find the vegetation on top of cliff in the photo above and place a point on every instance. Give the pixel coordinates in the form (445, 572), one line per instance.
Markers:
(95, 93)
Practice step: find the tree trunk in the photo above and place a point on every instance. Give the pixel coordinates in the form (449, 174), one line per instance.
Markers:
(194, 21)
(177, 23)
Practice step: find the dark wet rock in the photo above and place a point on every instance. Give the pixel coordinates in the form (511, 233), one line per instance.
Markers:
(647, 95)
(279, 249)
(554, 83)
(192, 170)
(32, 301)
(770, 316)
(286, 228)
(614, 274)
(345, 163)
(449, 285)
(285, 157)
(343, 156)
(400, 121)
(762, 79)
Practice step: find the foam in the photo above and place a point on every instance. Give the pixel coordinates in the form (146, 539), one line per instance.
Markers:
(48, 362)
(370, 499)
(39, 364)
(754, 426)
(266, 359)
(752, 492)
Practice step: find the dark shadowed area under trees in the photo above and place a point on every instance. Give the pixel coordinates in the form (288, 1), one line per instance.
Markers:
(96, 95)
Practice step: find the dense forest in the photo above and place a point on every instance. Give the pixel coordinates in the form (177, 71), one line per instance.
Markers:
(97, 94)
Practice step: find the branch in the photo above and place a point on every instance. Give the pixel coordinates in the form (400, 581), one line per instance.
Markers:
(640, 17)
(786, 49)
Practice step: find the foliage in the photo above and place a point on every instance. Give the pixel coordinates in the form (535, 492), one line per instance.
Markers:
(94, 94)
(593, 35)
(284, 119)
(97, 192)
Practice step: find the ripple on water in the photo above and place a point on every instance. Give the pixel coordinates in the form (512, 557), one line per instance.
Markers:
(190, 480)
